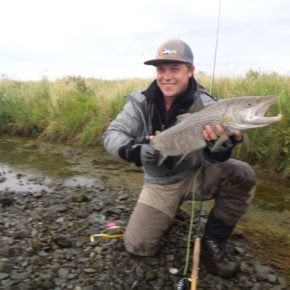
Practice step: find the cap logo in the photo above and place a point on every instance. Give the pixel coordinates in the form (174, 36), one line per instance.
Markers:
(167, 51)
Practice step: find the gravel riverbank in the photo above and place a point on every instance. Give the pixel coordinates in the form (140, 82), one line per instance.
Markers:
(45, 244)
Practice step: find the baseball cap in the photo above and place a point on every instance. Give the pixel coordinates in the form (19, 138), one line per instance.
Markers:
(173, 50)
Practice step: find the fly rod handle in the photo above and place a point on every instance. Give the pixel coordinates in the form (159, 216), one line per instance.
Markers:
(195, 263)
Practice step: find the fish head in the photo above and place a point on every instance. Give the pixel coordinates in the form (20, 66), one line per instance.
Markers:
(249, 112)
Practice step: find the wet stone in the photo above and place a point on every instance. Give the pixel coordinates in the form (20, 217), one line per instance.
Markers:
(3, 276)
(262, 272)
(63, 273)
(37, 194)
(90, 270)
(21, 234)
(61, 208)
(150, 275)
(5, 265)
(79, 197)
(6, 199)
(63, 241)
(272, 278)
(88, 288)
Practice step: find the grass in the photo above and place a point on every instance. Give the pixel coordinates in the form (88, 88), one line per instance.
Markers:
(68, 110)
(78, 110)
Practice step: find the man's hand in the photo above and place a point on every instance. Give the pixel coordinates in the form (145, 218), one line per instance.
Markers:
(213, 133)
(148, 154)
(219, 144)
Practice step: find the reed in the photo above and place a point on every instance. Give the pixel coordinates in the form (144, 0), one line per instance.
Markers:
(78, 110)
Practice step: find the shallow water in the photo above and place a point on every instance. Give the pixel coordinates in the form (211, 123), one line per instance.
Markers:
(32, 165)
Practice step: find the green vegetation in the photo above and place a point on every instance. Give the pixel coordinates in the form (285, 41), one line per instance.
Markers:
(77, 111)
(72, 109)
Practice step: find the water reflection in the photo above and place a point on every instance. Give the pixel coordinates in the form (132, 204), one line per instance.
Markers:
(32, 165)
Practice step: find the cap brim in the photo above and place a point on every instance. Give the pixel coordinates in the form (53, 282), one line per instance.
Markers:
(159, 61)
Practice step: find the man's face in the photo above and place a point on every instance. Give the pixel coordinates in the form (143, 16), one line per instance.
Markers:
(172, 78)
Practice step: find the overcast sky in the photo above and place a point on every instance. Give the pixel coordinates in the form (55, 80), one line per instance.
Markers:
(111, 39)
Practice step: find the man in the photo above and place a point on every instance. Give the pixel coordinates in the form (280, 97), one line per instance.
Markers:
(230, 182)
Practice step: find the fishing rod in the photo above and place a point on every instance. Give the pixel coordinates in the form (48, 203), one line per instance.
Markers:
(215, 50)
(192, 282)
(196, 251)
(186, 282)
(197, 242)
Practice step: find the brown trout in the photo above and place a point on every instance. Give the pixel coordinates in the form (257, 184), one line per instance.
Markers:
(238, 113)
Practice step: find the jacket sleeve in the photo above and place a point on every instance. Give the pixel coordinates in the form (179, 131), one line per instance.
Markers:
(123, 132)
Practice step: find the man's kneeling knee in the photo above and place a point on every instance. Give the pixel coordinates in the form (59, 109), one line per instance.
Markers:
(145, 229)
(144, 248)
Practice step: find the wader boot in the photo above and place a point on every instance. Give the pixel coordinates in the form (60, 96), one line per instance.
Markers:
(213, 251)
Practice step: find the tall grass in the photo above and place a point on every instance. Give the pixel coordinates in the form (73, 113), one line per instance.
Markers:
(78, 110)
(72, 109)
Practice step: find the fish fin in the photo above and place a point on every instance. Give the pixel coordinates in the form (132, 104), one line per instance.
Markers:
(246, 140)
(161, 158)
(218, 143)
(180, 160)
(182, 117)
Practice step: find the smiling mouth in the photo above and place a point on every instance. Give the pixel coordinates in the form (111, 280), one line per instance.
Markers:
(168, 84)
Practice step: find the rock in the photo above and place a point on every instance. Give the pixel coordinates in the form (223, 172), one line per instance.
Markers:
(35, 244)
(3, 276)
(150, 275)
(5, 250)
(262, 271)
(170, 258)
(6, 199)
(61, 208)
(173, 271)
(272, 278)
(5, 265)
(21, 233)
(63, 241)
(123, 197)
(63, 273)
(19, 175)
(79, 197)
(282, 282)
(90, 270)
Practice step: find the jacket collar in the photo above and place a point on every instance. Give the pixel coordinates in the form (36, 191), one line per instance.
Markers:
(154, 93)
(180, 105)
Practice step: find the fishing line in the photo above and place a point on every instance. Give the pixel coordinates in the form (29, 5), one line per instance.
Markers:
(216, 47)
